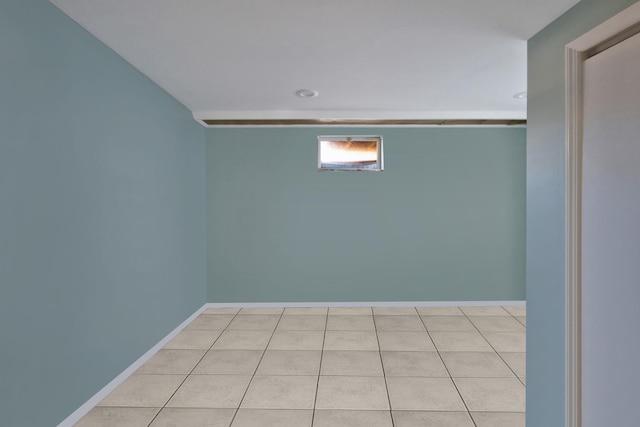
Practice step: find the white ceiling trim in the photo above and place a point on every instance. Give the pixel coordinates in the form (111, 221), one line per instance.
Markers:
(356, 126)
(357, 115)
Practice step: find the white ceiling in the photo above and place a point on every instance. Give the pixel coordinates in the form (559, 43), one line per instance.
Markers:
(382, 59)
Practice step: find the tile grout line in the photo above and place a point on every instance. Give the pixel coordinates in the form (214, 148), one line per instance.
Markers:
(194, 366)
(447, 369)
(235, 414)
(315, 399)
(516, 317)
(384, 374)
(494, 349)
(525, 329)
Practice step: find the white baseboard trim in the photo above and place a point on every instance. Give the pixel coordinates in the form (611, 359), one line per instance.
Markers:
(91, 403)
(368, 304)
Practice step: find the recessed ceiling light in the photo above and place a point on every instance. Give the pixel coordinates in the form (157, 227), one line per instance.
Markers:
(307, 93)
(520, 95)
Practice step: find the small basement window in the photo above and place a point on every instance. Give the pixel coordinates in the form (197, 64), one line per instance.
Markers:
(350, 153)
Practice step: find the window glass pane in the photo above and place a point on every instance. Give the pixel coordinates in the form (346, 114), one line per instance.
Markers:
(350, 153)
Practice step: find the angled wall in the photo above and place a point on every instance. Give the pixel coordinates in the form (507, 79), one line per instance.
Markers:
(102, 200)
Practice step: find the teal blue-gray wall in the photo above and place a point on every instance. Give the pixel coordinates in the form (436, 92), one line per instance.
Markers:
(545, 208)
(444, 221)
(102, 214)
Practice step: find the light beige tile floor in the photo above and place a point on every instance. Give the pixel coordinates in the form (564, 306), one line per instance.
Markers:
(331, 367)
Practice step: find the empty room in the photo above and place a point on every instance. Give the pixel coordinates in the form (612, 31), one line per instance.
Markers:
(316, 214)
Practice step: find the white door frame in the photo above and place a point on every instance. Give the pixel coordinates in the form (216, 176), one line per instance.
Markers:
(616, 29)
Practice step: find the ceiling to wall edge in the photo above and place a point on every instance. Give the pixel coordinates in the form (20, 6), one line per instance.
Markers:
(348, 118)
